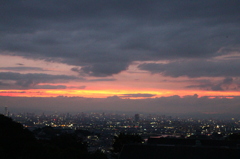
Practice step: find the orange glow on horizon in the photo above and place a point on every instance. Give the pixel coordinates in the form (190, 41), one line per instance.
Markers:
(137, 94)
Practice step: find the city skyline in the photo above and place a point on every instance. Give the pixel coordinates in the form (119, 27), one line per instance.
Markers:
(149, 56)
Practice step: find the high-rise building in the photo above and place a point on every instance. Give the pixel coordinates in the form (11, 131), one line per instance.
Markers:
(6, 111)
(137, 117)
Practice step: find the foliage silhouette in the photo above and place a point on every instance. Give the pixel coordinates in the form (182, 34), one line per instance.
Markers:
(123, 139)
(19, 143)
(234, 136)
(15, 140)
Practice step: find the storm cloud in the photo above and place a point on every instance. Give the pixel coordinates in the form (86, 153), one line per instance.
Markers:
(32, 79)
(104, 37)
(22, 69)
(139, 95)
(226, 84)
(195, 68)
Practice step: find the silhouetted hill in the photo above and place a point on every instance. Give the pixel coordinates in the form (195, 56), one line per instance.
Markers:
(154, 151)
(194, 142)
(13, 131)
(16, 142)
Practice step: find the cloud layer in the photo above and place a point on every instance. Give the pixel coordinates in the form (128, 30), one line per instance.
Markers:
(195, 68)
(164, 105)
(104, 37)
(31, 80)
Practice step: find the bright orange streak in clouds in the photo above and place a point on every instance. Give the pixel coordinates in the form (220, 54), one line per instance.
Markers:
(107, 93)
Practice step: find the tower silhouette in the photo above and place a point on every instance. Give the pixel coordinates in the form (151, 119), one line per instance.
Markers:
(137, 117)
(6, 111)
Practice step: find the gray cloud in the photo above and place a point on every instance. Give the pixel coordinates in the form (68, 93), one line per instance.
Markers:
(101, 69)
(104, 69)
(34, 76)
(27, 82)
(104, 37)
(33, 79)
(4, 84)
(49, 87)
(22, 85)
(163, 105)
(228, 80)
(227, 83)
(22, 69)
(20, 64)
(102, 79)
(78, 87)
(195, 68)
(138, 95)
(217, 87)
(12, 92)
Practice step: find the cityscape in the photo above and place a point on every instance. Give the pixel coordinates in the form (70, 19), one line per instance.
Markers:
(99, 129)
(119, 79)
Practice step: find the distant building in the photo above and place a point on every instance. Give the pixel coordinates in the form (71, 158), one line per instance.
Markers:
(137, 117)
(6, 111)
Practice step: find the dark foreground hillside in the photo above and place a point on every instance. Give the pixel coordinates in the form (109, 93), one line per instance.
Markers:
(148, 151)
(16, 142)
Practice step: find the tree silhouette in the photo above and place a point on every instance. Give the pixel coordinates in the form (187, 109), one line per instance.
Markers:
(19, 143)
(234, 136)
(15, 140)
(11, 130)
(123, 139)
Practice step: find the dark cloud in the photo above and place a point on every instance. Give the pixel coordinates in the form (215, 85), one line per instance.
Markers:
(81, 87)
(163, 105)
(138, 95)
(195, 68)
(12, 92)
(102, 79)
(22, 69)
(34, 76)
(205, 86)
(104, 69)
(226, 84)
(76, 69)
(104, 37)
(49, 87)
(27, 82)
(101, 69)
(217, 87)
(87, 71)
(4, 84)
(33, 79)
(228, 80)
(78, 87)
(114, 98)
(20, 64)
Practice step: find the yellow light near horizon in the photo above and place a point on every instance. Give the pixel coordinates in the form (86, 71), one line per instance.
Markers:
(112, 92)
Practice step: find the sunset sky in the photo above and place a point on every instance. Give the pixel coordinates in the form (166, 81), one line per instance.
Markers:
(123, 55)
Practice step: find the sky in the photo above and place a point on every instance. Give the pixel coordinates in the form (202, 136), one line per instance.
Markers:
(120, 55)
